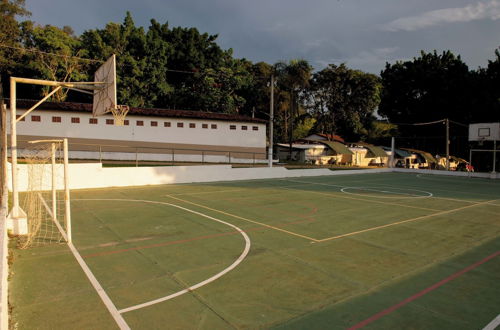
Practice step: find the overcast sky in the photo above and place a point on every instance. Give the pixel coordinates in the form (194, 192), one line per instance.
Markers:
(365, 34)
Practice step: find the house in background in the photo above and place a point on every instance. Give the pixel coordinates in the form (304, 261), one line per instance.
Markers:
(324, 137)
(420, 159)
(301, 152)
(319, 152)
(365, 154)
(402, 158)
(322, 149)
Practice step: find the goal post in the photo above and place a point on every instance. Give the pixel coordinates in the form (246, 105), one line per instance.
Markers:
(103, 90)
(47, 197)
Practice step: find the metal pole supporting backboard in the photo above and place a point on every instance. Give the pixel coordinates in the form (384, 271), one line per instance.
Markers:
(447, 144)
(494, 155)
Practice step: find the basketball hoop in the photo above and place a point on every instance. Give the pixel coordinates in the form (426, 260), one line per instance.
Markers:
(105, 95)
(119, 112)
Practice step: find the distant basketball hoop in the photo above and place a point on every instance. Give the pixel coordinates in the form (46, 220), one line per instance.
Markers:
(105, 96)
(482, 132)
(119, 113)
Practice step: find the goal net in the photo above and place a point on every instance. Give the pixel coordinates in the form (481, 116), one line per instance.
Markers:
(46, 201)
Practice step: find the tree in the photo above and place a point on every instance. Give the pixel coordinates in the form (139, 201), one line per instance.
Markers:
(158, 52)
(343, 101)
(304, 126)
(292, 80)
(128, 42)
(380, 132)
(199, 68)
(10, 35)
(493, 81)
(430, 87)
(256, 91)
(217, 88)
(55, 58)
(427, 89)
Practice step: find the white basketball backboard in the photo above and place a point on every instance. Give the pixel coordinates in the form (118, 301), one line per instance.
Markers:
(105, 97)
(484, 132)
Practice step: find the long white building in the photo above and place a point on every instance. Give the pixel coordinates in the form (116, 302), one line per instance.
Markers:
(148, 134)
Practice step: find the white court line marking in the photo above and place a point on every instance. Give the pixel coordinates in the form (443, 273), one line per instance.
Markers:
(224, 191)
(429, 194)
(343, 195)
(100, 291)
(242, 218)
(383, 191)
(196, 286)
(120, 321)
(208, 192)
(493, 324)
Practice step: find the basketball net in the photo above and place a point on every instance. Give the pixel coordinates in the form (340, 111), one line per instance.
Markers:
(119, 112)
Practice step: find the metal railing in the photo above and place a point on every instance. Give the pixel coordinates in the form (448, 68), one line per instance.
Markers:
(127, 154)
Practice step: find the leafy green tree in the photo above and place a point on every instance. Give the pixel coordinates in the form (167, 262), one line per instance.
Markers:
(379, 132)
(304, 126)
(292, 81)
(343, 101)
(431, 87)
(256, 91)
(196, 61)
(492, 106)
(128, 42)
(158, 51)
(10, 36)
(218, 89)
(55, 58)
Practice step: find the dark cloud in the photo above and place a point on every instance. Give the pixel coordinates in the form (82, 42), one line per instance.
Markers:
(362, 33)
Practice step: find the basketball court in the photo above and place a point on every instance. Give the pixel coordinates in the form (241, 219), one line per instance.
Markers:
(378, 250)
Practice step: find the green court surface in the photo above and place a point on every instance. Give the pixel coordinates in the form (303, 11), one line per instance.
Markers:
(379, 251)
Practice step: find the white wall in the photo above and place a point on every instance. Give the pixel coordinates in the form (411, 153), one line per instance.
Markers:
(93, 175)
(222, 136)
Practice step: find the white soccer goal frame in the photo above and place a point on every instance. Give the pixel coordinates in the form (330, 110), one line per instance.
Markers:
(66, 233)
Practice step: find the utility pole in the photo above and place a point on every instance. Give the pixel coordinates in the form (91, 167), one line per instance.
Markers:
(271, 123)
(447, 121)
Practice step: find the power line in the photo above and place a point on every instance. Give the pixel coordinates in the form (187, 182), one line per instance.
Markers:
(460, 124)
(431, 123)
(420, 124)
(33, 50)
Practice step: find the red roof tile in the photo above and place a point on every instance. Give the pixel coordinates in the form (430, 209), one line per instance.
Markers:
(154, 112)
